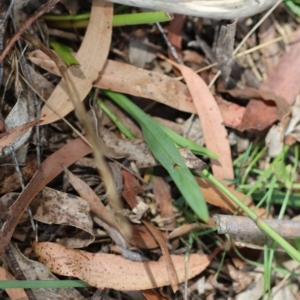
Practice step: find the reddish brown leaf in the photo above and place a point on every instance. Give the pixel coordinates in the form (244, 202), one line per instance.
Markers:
(283, 108)
(141, 236)
(175, 37)
(283, 81)
(89, 195)
(214, 132)
(170, 268)
(163, 197)
(47, 171)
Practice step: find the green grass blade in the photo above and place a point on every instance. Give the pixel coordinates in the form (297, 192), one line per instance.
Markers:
(167, 154)
(65, 53)
(81, 21)
(183, 142)
(126, 131)
(38, 284)
(141, 18)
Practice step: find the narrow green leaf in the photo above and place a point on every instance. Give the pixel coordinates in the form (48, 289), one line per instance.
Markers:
(183, 142)
(81, 21)
(167, 154)
(64, 52)
(39, 284)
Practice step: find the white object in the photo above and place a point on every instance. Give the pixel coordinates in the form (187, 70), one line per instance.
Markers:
(216, 9)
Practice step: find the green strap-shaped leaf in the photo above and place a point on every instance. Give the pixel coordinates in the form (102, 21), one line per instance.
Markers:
(167, 154)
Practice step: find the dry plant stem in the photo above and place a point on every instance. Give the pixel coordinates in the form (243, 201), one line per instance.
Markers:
(97, 145)
(47, 7)
(246, 231)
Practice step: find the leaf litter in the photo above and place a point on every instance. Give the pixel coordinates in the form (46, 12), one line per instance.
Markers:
(74, 210)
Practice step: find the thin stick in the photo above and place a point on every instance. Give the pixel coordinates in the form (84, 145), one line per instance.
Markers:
(47, 7)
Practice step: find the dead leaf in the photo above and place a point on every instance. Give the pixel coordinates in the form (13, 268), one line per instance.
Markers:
(14, 294)
(54, 207)
(127, 79)
(231, 112)
(91, 55)
(183, 229)
(42, 60)
(34, 270)
(10, 137)
(282, 81)
(283, 108)
(214, 132)
(136, 150)
(142, 238)
(111, 271)
(22, 114)
(47, 171)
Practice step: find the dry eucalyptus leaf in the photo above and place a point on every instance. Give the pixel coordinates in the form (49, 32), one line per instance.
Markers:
(111, 271)
(19, 122)
(214, 131)
(15, 137)
(54, 207)
(125, 78)
(91, 55)
(34, 270)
